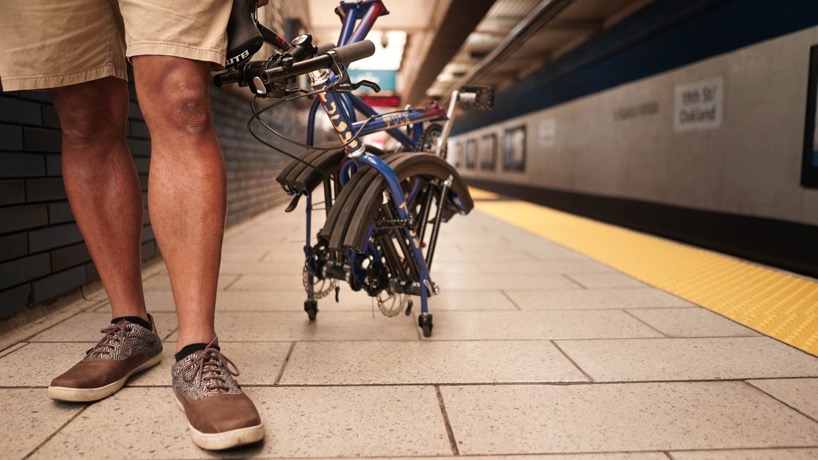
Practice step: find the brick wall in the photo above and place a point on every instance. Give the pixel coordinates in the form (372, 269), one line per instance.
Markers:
(251, 166)
(41, 250)
(42, 254)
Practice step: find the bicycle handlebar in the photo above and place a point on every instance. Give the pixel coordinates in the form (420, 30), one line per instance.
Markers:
(246, 73)
(354, 52)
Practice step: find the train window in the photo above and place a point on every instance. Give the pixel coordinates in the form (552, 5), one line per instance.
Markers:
(458, 154)
(514, 149)
(488, 152)
(471, 153)
(809, 166)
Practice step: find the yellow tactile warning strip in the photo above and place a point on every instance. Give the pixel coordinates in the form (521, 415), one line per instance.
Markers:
(774, 303)
(478, 194)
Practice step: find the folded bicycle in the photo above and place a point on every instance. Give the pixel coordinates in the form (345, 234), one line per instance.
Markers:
(383, 209)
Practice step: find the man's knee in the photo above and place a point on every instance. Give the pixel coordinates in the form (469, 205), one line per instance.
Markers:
(174, 94)
(91, 112)
(188, 107)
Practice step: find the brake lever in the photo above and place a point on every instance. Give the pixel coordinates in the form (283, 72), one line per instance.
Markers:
(348, 87)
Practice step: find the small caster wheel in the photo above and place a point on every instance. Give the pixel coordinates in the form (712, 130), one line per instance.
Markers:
(408, 308)
(425, 323)
(311, 307)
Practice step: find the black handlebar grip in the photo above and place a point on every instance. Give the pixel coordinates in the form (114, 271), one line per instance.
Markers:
(354, 52)
(243, 37)
(325, 48)
(227, 78)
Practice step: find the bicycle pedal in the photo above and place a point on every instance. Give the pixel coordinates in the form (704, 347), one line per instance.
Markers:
(476, 98)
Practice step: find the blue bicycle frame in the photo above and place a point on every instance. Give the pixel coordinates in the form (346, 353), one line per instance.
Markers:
(341, 107)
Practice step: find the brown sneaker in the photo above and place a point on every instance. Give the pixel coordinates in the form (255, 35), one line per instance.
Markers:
(220, 416)
(126, 349)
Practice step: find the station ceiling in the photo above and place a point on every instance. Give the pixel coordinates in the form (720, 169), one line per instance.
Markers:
(489, 42)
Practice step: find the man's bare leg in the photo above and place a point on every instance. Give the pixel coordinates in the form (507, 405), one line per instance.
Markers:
(188, 203)
(103, 186)
(187, 190)
(106, 198)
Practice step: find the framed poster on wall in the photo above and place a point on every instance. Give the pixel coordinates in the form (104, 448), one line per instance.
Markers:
(514, 149)
(809, 165)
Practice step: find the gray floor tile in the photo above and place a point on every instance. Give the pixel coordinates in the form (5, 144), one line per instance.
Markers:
(692, 322)
(10, 349)
(606, 280)
(359, 363)
(539, 250)
(118, 427)
(756, 454)
(452, 266)
(156, 301)
(798, 393)
(36, 364)
(272, 300)
(593, 299)
(258, 363)
(477, 245)
(294, 326)
(689, 359)
(537, 325)
(300, 422)
(600, 456)
(450, 255)
(352, 422)
(504, 281)
(292, 255)
(507, 388)
(620, 418)
(289, 267)
(546, 252)
(287, 253)
(85, 327)
(29, 418)
(545, 267)
(250, 255)
(468, 299)
(17, 330)
(161, 282)
(256, 282)
(292, 300)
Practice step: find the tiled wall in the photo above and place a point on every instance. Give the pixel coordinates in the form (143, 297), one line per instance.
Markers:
(41, 251)
(42, 254)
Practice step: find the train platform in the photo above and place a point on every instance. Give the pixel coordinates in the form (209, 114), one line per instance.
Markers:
(554, 337)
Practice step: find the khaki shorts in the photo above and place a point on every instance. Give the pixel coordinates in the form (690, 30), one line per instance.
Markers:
(52, 43)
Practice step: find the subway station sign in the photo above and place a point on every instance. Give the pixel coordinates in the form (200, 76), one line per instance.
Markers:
(699, 105)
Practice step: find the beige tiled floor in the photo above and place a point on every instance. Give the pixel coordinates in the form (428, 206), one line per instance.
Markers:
(537, 352)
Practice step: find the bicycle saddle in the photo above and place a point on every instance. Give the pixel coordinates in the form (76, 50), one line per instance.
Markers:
(243, 36)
